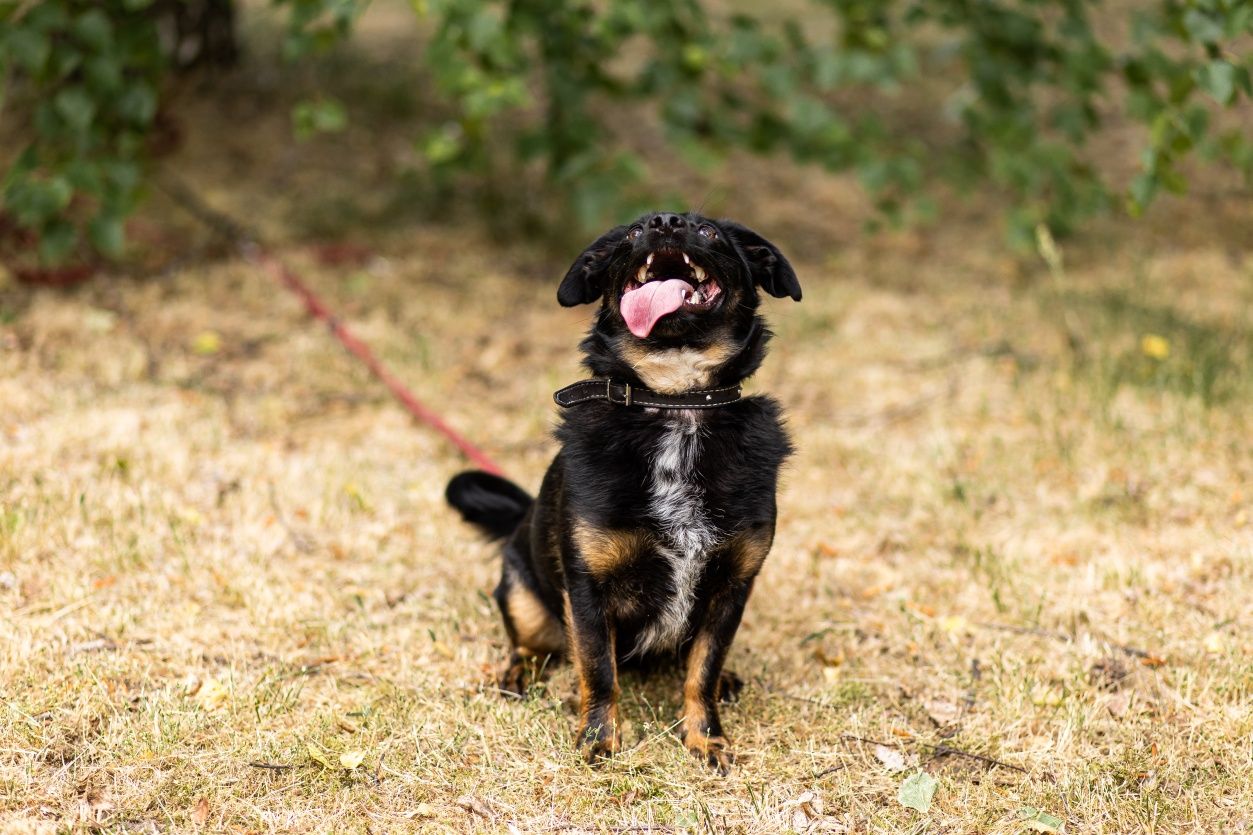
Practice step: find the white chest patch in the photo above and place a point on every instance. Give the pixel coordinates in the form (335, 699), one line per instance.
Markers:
(677, 503)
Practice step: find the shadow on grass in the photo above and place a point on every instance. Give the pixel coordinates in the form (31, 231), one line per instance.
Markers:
(1118, 338)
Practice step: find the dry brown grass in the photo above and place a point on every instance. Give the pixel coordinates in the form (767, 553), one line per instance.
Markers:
(224, 553)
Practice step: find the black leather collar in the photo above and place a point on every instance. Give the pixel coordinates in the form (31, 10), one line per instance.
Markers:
(624, 394)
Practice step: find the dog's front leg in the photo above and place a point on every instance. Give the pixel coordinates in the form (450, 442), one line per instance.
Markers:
(701, 728)
(591, 636)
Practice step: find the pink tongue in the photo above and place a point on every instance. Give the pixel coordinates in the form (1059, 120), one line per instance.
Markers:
(643, 307)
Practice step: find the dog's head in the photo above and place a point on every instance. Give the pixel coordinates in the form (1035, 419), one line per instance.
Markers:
(671, 279)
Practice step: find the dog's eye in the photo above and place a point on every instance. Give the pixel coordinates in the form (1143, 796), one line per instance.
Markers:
(707, 231)
(634, 232)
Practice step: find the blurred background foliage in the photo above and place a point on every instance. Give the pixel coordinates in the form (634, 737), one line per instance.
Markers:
(533, 91)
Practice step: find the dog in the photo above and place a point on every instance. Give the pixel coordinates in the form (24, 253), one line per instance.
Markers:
(658, 511)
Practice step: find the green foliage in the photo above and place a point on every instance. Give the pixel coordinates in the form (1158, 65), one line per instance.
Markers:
(96, 74)
(1022, 85)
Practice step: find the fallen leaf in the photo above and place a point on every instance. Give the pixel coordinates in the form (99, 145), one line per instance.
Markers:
(903, 733)
(827, 659)
(1153, 661)
(1039, 820)
(917, 790)
(206, 343)
(212, 694)
(942, 711)
(94, 805)
(1214, 643)
(1066, 558)
(922, 608)
(1155, 346)
(474, 806)
(1117, 705)
(892, 759)
(201, 813)
(351, 759)
(808, 809)
(316, 755)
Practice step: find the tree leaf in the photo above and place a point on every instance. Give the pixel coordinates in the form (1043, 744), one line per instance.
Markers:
(76, 107)
(316, 755)
(917, 790)
(351, 759)
(318, 116)
(1039, 820)
(56, 240)
(107, 233)
(1218, 78)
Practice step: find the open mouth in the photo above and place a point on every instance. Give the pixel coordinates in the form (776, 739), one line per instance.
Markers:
(667, 281)
(668, 265)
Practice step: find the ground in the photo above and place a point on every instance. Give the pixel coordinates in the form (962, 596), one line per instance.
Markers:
(1015, 547)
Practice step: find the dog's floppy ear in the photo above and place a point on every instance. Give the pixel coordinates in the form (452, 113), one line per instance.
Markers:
(585, 281)
(771, 271)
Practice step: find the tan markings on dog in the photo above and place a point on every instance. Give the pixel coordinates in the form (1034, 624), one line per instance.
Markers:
(538, 631)
(694, 717)
(676, 370)
(748, 550)
(713, 750)
(572, 649)
(604, 551)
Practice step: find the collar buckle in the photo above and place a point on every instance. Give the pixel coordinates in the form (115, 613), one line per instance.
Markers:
(613, 389)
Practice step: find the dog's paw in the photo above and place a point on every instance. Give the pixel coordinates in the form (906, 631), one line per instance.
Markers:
(599, 742)
(729, 686)
(520, 674)
(713, 751)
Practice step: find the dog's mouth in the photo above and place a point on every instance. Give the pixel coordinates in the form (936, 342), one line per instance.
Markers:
(667, 281)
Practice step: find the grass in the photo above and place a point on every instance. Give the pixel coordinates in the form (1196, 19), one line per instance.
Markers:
(226, 561)
(1013, 528)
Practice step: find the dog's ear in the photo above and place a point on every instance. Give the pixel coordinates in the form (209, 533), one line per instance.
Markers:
(585, 281)
(771, 271)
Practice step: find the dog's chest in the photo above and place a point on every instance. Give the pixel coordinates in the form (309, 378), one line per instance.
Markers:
(677, 498)
(678, 506)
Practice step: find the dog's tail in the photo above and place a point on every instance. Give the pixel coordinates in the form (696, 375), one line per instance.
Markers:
(492, 504)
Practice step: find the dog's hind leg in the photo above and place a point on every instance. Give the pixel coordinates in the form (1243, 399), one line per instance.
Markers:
(535, 633)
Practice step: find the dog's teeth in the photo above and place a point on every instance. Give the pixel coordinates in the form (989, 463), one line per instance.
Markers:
(649, 262)
(642, 275)
(700, 274)
(687, 260)
(698, 297)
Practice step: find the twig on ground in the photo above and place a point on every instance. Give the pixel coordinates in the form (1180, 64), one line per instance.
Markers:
(946, 751)
(271, 766)
(303, 543)
(939, 751)
(827, 771)
(1135, 652)
(1026, 630)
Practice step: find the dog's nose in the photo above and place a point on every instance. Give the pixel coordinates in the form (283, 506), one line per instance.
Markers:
(667, 223)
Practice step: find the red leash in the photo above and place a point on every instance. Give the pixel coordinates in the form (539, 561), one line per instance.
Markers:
(318, 310)
(254, 252)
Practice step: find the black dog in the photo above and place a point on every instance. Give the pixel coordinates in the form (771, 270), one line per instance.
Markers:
(655, 517)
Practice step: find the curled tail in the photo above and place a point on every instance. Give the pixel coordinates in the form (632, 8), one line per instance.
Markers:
(492, 504)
